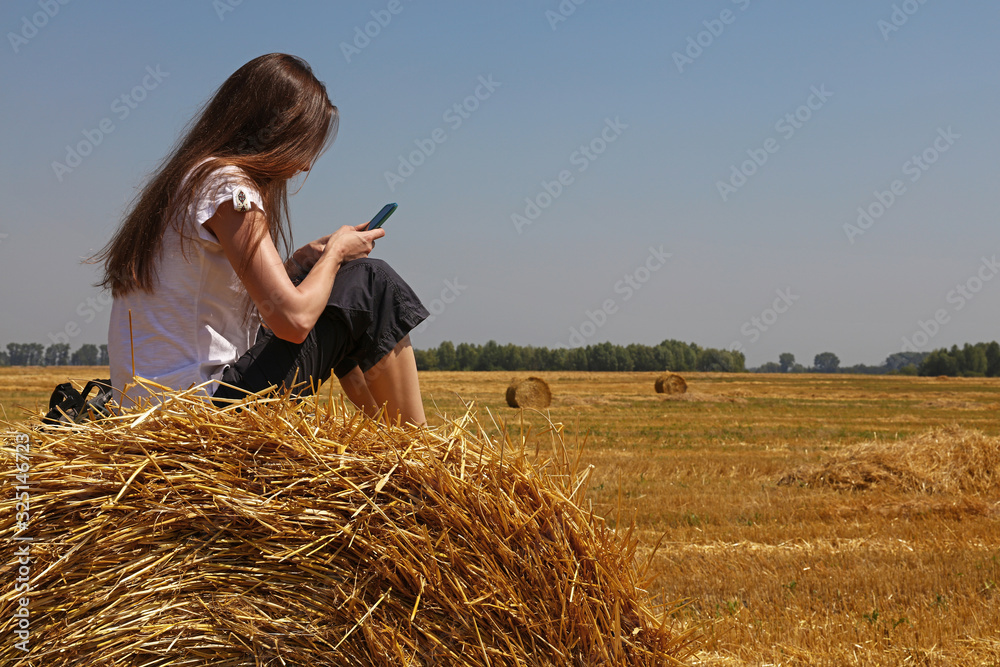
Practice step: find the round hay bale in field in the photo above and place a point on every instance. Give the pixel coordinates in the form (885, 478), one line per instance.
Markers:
(307, 534)
(531, 392)
(671, 383)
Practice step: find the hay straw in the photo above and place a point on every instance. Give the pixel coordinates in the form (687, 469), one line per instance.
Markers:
(532, 392)
(670, 383)
(276, 533)
(942, 460)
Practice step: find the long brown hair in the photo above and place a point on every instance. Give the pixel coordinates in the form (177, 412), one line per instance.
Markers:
(271, 119)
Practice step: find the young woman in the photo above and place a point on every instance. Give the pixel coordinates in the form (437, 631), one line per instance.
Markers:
(194, 268)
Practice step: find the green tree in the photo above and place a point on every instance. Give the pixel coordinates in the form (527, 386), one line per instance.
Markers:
(900, 360)
(446, 357)
(36, 354)
(601, 357)
(57, 354)
(643, 358)
(426, 360)
(939, 362)
(86, 355)
(467, 356)
(719, 361)
(576, 360)
(786, 361)
(511, 358)
(624, 359)
(534, 359)
(490, 357)
(15, 354)
(975, 360)
(665, 359)
(993, 359)
(25, 354)
(557, 360)
(826, 362)
(959, 359)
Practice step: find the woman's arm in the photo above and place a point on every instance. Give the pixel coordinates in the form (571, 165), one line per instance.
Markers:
(290, 312)
(303, 259)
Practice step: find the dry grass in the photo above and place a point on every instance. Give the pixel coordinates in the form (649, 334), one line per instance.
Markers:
(306, 534)
(949, 460)
(791, 574)
(783, 574)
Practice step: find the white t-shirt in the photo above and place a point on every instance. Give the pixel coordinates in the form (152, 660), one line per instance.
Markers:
(192, 325)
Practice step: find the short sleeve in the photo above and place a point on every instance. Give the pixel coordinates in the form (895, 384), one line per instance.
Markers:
(227, 186)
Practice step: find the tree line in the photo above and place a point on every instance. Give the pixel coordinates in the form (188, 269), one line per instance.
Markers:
(57, 354)
(671, 355)
(971, 360)
(900, 363)
(979, 360)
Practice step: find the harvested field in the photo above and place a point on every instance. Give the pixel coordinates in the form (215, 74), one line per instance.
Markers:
(782, 574)
(307, 534)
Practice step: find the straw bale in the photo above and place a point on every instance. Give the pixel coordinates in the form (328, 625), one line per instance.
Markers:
(304, 533)
(531, 392)
(670, 383)
(950, 459)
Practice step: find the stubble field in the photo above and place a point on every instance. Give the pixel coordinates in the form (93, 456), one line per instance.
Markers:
(806, 519)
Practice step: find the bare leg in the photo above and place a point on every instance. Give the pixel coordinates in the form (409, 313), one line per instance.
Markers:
(393, 381)
(356, 388)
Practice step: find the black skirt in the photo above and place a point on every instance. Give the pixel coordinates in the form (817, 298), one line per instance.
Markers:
(369, 311)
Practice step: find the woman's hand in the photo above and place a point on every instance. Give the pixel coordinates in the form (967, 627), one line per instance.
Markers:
(347, 242)
(310, 253)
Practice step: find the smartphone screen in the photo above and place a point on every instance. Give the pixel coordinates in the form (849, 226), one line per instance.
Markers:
(381, 217)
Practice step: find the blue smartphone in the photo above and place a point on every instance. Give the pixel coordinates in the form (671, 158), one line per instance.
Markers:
(381, 217)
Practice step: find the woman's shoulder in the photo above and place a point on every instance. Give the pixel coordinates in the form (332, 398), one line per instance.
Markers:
(219, 174)
(221, 184)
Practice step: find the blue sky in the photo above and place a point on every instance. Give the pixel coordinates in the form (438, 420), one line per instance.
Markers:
(803, 112)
